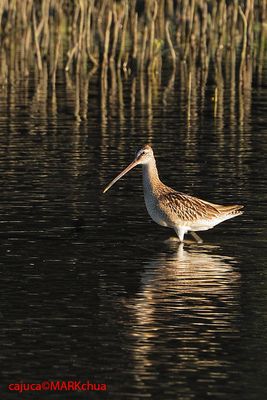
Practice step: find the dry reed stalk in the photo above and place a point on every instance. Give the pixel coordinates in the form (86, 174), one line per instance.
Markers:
(244, 47)
(168, 87)
(168, 38)
(182, 35)
(45, 19)
(123, 35)
(189, 89)
(100, 20)
(152, 38)
(81, 34)
(234, 23)
(191, 19)
(133, 97)
(161, 19)
(54, 70)
(143, 52)
(135, 43)
(132, 12)
(262, 47)
(77, 99)
(88, 36)
(221, 22)
(117, 22)
(37, 47)
(113, 88)
(201, 31)
(203, 38)
(249, 13)
(120, 99)
(106, 42)
(71, 54)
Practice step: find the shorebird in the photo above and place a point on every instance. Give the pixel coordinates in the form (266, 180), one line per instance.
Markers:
(167, 207)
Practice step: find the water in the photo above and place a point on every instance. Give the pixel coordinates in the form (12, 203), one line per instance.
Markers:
(90, 288)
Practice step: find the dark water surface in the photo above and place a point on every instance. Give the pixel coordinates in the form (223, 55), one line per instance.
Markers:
(90, 289)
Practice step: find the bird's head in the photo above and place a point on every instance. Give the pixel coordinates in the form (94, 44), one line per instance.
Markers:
(142, 156)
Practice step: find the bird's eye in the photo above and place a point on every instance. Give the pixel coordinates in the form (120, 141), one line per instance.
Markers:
(140, 153)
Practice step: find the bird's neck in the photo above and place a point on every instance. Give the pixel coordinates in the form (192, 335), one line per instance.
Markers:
(151, 179)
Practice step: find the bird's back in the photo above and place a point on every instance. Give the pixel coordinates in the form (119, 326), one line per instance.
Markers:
(188, 210)
(170, 208)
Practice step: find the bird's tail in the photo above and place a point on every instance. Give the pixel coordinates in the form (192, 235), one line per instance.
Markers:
(233, 210)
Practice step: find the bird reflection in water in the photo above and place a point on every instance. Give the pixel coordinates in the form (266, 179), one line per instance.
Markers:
(185, 320)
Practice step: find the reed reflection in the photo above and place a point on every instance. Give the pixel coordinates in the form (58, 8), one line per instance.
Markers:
(186, 309)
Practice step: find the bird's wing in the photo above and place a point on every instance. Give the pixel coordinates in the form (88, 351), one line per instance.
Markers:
(188, 208)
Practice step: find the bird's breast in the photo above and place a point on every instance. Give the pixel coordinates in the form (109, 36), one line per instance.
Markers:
(154, 210)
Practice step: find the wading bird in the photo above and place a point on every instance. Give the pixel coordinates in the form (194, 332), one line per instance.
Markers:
(173, 209)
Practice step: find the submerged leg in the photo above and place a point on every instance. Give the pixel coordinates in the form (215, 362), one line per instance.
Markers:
(196, 237)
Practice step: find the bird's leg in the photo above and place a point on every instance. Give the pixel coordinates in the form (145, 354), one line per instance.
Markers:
(180, 233)
(196, 237)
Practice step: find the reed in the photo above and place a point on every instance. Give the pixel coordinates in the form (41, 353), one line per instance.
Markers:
(134, 35)
(111, 41)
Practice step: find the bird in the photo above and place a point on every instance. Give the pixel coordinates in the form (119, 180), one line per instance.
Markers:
(167, 207)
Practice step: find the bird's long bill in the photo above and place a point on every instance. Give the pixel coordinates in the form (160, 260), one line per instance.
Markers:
(127, 169)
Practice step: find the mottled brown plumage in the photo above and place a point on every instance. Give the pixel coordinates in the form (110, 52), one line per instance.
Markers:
(189, 208)
(173, 209)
